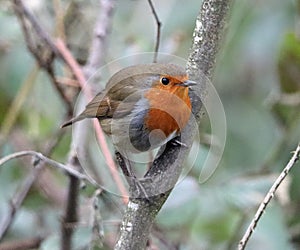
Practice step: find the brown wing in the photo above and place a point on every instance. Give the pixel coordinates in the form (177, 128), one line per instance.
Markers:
(118, 102)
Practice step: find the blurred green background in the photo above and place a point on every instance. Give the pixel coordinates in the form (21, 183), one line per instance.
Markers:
(257, 78)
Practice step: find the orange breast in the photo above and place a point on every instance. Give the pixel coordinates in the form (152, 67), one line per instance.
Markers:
(161, 120)
(169, 110)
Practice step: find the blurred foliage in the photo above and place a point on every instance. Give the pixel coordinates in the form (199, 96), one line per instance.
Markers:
(259, 66)
(288, 63)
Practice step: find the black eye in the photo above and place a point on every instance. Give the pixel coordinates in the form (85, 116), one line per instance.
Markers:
(164, 81)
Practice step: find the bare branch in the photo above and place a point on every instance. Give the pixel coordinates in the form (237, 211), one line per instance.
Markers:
(19, 197)
(100, 135)
(268, 198)
(71, 210)
(24, 244)
(73, 65)
(24, 14)
(207, 36)
(41, 46)
(158, 27)
(39, 156)
(99, 43)
(17, 200)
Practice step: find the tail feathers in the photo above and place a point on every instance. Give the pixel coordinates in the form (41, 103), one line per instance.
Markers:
(73, 120)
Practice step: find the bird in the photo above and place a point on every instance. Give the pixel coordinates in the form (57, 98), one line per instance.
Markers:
(142, 106)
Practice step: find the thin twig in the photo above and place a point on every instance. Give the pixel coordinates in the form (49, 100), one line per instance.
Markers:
(19, 196)
(99, 132)
(22, 12)
(99, 42)
(267, 199)
(73, 65)
(158, 27)
(40, 156)
(45, 51)
(59, 19)
(24, 244)
(18, 199)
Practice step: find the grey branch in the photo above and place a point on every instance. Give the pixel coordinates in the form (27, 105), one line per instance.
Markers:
(40, 157)
(99, 42)
(207, 36)
(20, 195)
(41, 46)
(22, 244)
(165, 170)
(158, 29)
(268, 198)
(18, 199)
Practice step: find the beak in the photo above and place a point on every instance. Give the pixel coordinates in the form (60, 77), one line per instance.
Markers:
(187, 83)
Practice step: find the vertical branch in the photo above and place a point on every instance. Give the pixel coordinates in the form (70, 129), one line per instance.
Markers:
(158, 27)
(71, 212)
(207, 36)
(40, 45)
(99, 42)
(59, 19)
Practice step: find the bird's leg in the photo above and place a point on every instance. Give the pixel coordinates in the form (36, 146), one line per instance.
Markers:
(137, 188)
(126, 168)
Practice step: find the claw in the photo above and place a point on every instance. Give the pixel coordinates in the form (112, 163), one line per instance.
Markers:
(177, 142)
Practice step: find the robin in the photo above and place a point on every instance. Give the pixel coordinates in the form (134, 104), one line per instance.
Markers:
(142, 106)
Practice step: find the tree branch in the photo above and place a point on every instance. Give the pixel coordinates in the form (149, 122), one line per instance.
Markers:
(20, 196)
(268, 198)
(207, 37)
(71, 211)
(99, 42)
(40, 157)
(158, 27)
(165, 171)
(17, 200)
(41, 46)
(33, 243)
